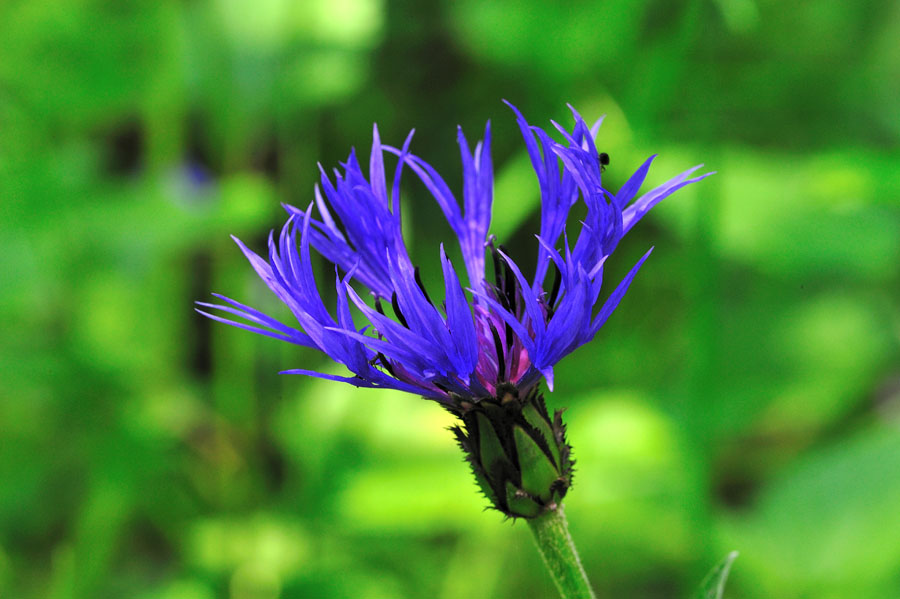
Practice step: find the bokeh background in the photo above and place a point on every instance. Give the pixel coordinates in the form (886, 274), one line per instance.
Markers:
(746, 395)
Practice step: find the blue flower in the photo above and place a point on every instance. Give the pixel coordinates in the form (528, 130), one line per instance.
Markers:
(498, 332)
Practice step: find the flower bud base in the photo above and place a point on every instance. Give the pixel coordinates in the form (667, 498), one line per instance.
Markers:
(518, 454)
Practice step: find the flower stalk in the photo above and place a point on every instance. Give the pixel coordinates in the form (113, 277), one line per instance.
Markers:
(551, 534)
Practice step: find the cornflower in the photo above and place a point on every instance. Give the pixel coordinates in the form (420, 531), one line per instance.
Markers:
(483, 350)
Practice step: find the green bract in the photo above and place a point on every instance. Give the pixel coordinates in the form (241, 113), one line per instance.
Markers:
(518, 454)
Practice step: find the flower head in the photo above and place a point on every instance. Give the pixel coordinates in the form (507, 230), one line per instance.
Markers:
(484, 349)
(500, 331)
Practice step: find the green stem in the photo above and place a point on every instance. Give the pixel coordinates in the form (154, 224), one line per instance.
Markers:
(551, 533)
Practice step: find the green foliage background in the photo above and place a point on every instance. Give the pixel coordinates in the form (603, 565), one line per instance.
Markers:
(746, 395)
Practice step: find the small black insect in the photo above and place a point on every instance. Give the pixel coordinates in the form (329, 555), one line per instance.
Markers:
(604, 161)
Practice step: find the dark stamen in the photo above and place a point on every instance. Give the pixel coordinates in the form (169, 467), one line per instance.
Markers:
(514, 363)
(387, 365)
(396, 304)
(422, 287)
(495, 257)
(501, 360)
(378, 306)
(499, 274)
(509, 282)
(504, 300)
(557, 280)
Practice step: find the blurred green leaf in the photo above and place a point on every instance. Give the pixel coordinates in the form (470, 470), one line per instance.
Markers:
(744, 394)
(713, 586)
(828, 524)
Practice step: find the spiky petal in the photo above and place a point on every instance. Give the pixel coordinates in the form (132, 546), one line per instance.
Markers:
(508, 330)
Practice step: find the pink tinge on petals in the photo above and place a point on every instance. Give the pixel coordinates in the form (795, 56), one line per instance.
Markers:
(516, 362)
(523, 362)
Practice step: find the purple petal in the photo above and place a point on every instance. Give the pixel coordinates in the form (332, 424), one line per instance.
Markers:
(509, 319)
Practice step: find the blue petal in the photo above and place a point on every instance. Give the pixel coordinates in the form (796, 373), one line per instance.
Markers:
(533, 153)
(547, 371)
(569, 324)
(459, 319)
(422, 317)
(558, 195)
(583, 133)
(359, 382)
(395, 191)
(532, 307)
(402, 355)
(478, 195)
(636, 211)
(251, 314)
(616, 296)
(631, 187)
(376, 168)
(246, 327)
(407, 346)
